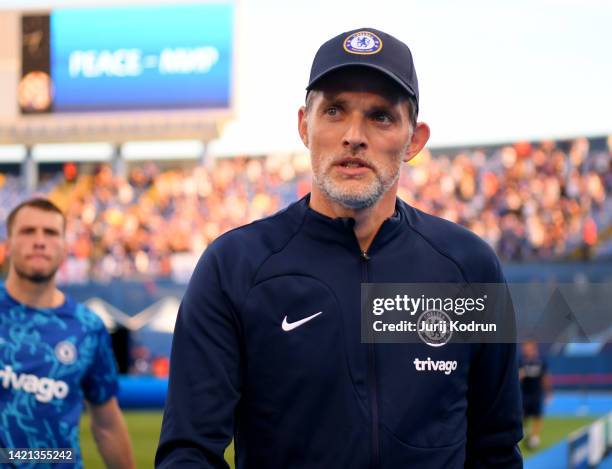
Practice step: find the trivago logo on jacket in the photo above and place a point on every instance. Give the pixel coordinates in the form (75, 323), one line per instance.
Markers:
(44, 389)
(447, 367)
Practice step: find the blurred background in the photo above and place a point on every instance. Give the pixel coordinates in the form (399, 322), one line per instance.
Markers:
(158, 126)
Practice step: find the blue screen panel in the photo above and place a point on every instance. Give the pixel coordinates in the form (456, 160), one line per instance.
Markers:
(130, 58)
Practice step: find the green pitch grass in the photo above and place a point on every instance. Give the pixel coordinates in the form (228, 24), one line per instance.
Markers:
(144, 431)
(555, 429)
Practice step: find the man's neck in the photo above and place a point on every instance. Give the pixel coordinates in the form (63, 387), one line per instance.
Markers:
(367, 221)
(36, 295)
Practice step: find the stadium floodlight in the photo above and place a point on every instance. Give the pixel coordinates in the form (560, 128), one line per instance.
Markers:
(12, 153)
(161, 150)
(57, 152)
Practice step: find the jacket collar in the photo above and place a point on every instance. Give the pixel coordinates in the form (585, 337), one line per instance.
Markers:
(340, 230)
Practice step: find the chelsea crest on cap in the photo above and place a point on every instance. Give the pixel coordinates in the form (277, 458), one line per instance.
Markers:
(371, 48)
(362, 43)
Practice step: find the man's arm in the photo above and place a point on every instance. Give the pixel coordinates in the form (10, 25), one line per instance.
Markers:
(495, 411)
(547, 384)
(205, 381)
(110, 433)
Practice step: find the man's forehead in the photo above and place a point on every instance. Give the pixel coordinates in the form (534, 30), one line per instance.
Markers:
(33, 216)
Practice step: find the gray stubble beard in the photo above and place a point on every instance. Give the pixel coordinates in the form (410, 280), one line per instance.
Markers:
(353, 201)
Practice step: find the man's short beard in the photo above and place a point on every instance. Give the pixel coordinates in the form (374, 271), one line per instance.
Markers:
(349, 200)
(37, 277)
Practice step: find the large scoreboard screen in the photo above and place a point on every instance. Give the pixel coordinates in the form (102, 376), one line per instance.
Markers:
(128, 58)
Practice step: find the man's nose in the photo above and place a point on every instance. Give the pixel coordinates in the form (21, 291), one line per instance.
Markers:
(355, 137)
(39, 239)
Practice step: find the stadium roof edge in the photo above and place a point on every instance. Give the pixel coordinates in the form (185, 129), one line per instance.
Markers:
(116, 131)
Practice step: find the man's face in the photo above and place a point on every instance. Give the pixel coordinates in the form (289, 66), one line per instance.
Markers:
(36, 244)
(530, 350)
(358, 133)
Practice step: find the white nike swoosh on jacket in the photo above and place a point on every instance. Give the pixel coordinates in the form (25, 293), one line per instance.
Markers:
(287, 326)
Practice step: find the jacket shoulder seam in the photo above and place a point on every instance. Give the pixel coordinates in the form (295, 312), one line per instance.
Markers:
(440, 251)
(272, 252)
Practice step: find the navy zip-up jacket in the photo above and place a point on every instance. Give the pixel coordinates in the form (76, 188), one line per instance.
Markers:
(315, 396)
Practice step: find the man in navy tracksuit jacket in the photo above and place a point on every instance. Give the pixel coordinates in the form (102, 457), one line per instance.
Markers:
(267, 347)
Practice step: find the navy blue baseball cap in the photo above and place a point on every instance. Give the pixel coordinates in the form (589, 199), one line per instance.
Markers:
(367, 47)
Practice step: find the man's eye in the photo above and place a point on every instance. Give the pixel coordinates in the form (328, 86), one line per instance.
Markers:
(382, 117)
(332, 111)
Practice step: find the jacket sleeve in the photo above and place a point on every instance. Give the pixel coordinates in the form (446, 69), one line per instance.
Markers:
(494, 401)
(205, 375)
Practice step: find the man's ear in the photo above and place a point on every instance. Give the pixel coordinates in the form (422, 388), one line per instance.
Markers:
(65, 250)
(418, 141)
(8, 246)
(303, 125)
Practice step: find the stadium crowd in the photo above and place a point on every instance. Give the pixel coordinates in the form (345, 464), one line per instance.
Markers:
(531, 202)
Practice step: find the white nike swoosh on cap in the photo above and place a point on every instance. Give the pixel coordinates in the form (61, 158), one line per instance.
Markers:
(289, 326)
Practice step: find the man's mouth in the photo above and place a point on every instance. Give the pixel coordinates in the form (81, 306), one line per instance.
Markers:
(38, 256)
(354, 163)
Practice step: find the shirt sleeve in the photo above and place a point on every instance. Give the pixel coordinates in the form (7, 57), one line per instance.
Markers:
(100, 382)
(494, 402)
(544, 367)
(205, 375)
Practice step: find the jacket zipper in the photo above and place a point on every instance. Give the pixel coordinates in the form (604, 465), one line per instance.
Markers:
(372, 384)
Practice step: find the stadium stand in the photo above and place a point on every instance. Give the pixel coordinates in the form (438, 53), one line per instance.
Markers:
(532, 202)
